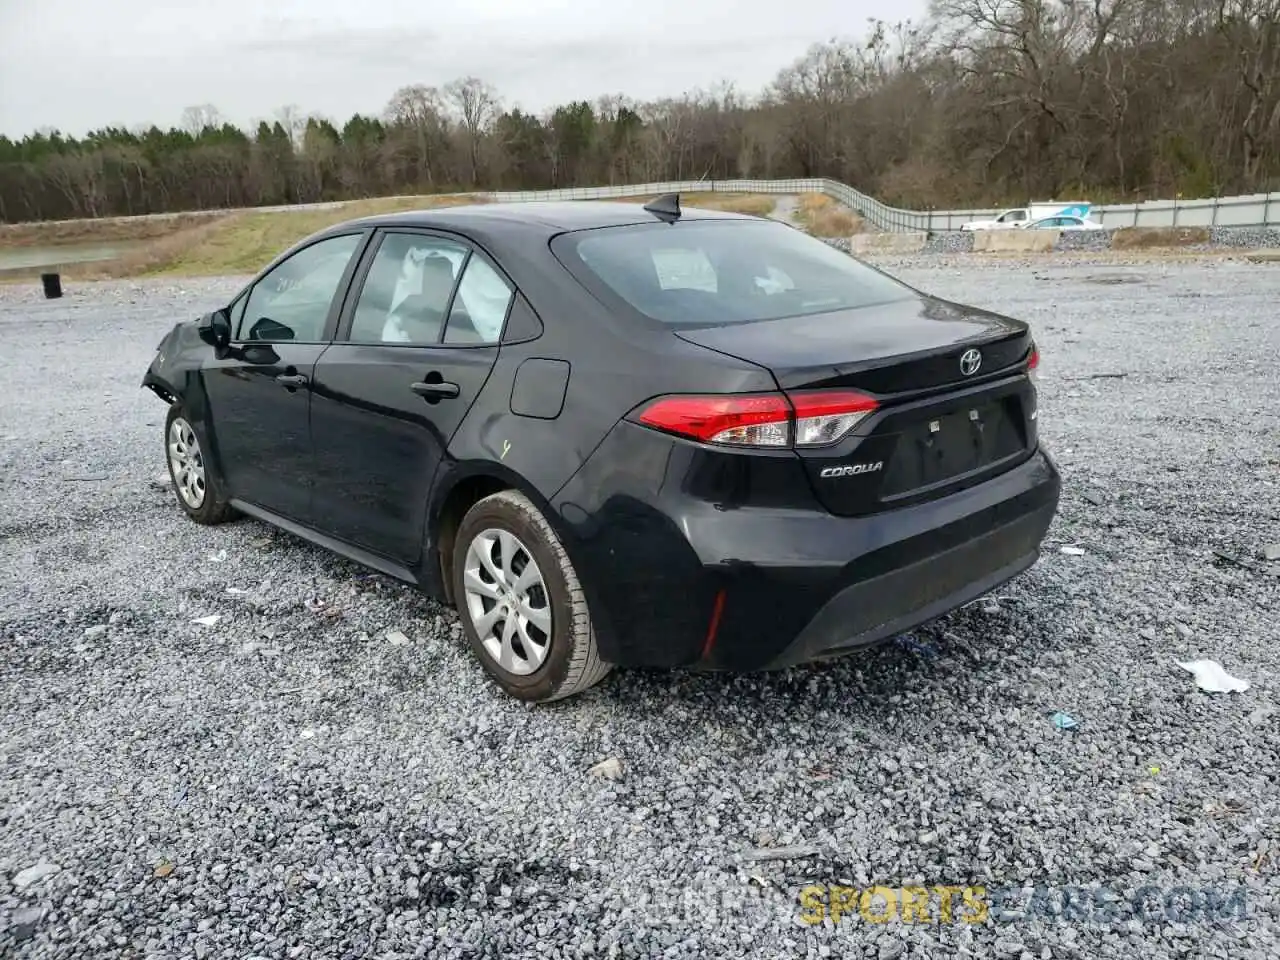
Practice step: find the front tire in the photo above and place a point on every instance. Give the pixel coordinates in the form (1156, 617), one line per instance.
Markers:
(196, 481)
(521, 604)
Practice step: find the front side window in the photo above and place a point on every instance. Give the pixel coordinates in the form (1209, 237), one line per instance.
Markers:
(714, 272)
(406, 293)
(292, 301)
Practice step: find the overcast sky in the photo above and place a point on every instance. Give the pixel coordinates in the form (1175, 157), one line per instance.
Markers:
(80, 64)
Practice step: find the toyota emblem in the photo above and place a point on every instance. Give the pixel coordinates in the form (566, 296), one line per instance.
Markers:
(970, 361)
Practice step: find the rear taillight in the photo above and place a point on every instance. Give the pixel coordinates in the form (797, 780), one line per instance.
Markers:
(1033, 364)
(741, 420)
(772, 420)
(824, 416)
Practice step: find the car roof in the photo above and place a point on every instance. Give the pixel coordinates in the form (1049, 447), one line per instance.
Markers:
(547, 217)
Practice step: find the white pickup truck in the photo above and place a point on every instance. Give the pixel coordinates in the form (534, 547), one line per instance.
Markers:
(1020, 216)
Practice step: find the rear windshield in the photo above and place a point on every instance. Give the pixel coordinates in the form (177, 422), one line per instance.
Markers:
(713, 272)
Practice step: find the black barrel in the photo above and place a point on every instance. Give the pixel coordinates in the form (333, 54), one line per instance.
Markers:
(52, 285)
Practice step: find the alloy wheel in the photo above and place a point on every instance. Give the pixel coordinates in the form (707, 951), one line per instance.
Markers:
(507, 600)
(186, 462)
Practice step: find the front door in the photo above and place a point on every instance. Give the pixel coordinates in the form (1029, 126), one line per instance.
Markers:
(412, 355)
(259, 393)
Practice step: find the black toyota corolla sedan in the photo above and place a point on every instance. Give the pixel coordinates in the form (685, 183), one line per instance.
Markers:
(614, 434)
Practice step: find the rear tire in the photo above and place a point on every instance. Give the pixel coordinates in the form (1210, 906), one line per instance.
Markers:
(521, 603)
(196, 482)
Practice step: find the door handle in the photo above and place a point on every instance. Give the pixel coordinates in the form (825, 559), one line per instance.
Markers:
(435, 391)
(291, 380)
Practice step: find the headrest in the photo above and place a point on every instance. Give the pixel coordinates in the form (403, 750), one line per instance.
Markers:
(437, 272)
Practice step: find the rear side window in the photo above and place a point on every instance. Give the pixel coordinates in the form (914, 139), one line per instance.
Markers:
(480, 305)
(713, 272)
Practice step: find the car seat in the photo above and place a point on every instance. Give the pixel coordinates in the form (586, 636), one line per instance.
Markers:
(419, 317)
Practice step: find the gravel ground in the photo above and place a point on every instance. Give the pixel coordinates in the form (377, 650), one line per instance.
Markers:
(289, 783)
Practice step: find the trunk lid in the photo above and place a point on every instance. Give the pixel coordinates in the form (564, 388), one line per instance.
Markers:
(909, 345)
(940, 426)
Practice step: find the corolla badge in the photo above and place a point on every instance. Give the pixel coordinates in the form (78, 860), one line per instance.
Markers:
(850, 470)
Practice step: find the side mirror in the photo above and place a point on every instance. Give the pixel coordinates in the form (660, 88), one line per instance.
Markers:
(215, 329)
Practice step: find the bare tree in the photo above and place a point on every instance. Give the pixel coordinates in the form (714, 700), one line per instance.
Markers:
(195, 120)
(1251, 28)
(421, 110)
(477, 104)
(291, 118)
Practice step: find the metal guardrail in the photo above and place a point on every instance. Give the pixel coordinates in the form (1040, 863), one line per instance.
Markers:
(1254, 210)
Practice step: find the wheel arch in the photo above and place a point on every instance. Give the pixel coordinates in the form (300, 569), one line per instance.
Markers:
(465, 485)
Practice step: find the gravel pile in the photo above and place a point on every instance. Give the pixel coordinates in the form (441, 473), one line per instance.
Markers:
(1099, 241)
(287, 782)
(1251, 237)
(955, 241)
(1084, 240)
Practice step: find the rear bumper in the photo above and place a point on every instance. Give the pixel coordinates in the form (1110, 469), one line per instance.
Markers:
(750, 578)
(871, 610)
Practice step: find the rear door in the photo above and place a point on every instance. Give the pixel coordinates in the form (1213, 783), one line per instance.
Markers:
(259, 393)
(418, 337)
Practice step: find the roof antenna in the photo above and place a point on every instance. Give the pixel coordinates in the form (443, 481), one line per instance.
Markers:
(666, 208)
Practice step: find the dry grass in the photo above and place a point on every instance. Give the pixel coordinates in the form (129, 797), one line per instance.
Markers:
(753, 204)
(155, 256)
(244, 242)
(54, 233)
(1140, 238)
(809, 203)
(823, 217)
(756, 205)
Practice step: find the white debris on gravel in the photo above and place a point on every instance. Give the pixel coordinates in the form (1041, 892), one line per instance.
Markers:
(1212, 678)
(610, 769)
(429, 815)
(33, 874)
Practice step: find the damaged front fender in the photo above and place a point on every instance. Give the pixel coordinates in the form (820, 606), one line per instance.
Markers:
(177, 359)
